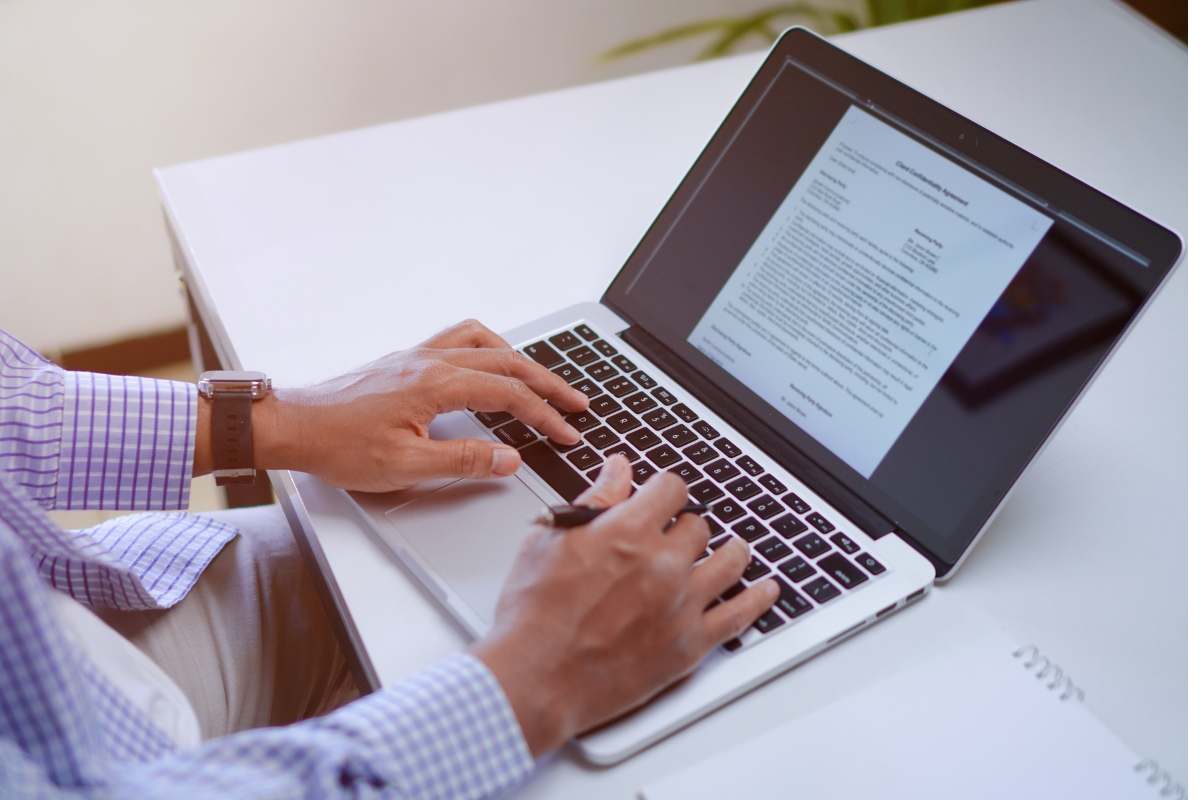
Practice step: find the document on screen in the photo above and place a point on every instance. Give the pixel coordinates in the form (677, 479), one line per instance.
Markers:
(864, 286)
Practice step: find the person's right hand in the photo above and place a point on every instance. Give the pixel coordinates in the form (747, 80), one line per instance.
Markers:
(596, 620)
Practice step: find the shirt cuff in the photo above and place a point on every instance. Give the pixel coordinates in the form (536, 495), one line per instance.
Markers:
(127, 443)
(448, 732)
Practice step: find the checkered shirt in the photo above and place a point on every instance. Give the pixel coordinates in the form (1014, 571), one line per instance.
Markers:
(81, 440)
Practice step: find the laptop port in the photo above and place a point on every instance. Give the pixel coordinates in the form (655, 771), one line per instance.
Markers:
(885, 610)
(914, 595)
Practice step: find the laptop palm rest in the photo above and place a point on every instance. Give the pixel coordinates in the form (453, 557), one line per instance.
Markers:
(469, 534)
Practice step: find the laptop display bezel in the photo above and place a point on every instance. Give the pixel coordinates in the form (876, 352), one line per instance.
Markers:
(943, 128)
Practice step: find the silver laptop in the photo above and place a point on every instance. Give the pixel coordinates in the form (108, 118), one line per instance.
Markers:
(850, 330)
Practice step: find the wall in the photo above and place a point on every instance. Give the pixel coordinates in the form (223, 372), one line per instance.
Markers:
(95, 93)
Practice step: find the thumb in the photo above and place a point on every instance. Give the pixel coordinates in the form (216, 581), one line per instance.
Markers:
(464, 458)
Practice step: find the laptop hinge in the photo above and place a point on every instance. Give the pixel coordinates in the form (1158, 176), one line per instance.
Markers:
(838, 494)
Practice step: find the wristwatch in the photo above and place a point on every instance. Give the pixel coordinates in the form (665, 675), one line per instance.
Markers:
(232, 394)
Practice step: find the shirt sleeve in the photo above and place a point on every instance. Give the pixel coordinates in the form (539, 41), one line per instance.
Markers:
(76, 440)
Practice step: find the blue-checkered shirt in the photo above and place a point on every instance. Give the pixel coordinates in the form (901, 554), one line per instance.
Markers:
(80, 440)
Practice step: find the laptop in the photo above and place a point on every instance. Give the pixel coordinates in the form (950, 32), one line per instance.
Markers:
(850, 330)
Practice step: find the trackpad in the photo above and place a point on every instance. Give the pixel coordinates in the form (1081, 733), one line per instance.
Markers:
(469, 533)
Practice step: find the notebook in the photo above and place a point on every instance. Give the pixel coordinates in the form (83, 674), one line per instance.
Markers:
(1009, 723)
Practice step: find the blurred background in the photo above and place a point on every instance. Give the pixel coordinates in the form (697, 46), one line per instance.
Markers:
(96, 93)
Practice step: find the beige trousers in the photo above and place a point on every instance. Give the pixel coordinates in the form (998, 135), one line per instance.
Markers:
(250, 645)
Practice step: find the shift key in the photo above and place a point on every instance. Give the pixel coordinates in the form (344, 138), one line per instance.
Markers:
(838, 567)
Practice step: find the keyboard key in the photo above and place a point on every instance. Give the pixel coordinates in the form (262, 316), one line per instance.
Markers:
(585, 332)
(584, 458)
(751, 466)
(726, 510)
(588, 387)
(663, 396)
(721, 470)
(789, 601)
(543, 354)
(601, 438)
(743, 488)
(623, 421)
(705, 430)
(773, 549)
(493, 418)
(685, 413)
(625, 450)
(564, 448)
(768, 622)
(686, 471)
(765, 507)
(659, 418)
(700, 453)
(838, 567)
(769, 481)
(714, 529)
(591, 476)
(516, 434)
(604, 405)
(640, 403)
(706, 492)
(643, 380)
(844, 542)
(797, 569)
(643, 438)
(755, 570)
(750, 529)
(680, 435)
(568, 372)
(565, 341)
(733, 591)
(620, 386)
(605, 348)
(870, 564)
(812, 545)
(732, 644)
(642, 472)
(602, 371)
(789, 525)
(583, 355)
(662, 456)
(554, 471)
(796, 504)
(725, 446)
(624, 364)
(582, 421)
(821, 590)
(820, 523)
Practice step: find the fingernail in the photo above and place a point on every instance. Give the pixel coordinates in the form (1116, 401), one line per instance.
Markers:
(505, 461)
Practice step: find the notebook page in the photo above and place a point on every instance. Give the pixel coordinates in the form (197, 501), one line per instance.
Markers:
(973, 722)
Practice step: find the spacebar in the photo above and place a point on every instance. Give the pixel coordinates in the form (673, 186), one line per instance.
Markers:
(553, 470)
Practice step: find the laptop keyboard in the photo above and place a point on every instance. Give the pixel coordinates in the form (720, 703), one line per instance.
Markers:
(792, 541)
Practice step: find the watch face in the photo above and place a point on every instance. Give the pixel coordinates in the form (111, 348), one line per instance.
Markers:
(219, 381)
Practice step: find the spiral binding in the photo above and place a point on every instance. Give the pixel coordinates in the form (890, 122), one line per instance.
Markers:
(1156, 774)
(1045, 669)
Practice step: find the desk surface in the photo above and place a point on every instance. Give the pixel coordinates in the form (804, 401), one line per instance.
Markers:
(312, 257)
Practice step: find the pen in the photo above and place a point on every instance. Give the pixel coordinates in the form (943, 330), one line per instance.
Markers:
(574, 516)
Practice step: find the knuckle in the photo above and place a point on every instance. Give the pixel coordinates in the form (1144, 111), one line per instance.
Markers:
(469, 457)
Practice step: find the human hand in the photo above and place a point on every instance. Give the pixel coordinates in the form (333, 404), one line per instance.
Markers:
(598, 619)
(369, 429)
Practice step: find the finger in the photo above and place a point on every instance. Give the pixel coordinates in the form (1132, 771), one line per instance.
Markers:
(652, 508)
(689, 535)
(611, 486)
(461, 458)
(468, 333)
(723, 570)
(483, 391)
(510, 363)
(730, 618)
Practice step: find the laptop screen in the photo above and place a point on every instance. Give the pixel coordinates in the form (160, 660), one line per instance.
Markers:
(911, 309)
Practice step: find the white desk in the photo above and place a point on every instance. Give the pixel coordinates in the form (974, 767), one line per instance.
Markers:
(309, 258)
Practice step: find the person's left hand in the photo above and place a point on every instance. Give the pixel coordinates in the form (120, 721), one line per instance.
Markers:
(369, 429)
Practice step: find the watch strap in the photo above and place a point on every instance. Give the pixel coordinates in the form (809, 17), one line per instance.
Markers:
(232, 442)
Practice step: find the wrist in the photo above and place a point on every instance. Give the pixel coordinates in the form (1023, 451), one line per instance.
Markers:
(278, 439)
(541, 709)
